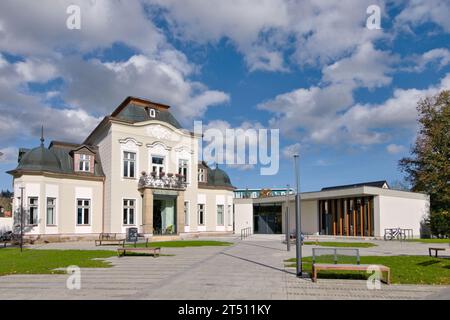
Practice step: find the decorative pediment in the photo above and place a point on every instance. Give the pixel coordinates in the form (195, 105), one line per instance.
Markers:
(184, 149)
(158, 144)
(130, 140)
(162, 133)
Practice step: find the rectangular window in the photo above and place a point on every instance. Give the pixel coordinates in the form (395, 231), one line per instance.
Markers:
(33, 209)
(128, 211)
(201, 175)
(186, 213)
(51, 211)
(220, 214)
(201, 214)
(157, 165)
(183, 168)
(230, 215)
(83, 211)
(85, 162)
(129, 164)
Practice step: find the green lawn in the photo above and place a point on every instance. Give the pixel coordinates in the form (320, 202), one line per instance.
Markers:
(12, 261)
(184, 243)
(341, 244)
(431, 240)
(404, 269)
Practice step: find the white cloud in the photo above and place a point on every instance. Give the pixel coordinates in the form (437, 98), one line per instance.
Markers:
(358, 124)
(8, 155)
(417, 12)
(438, 56)
(91, 88)
(291, 150)
(39, 27)
(317, 32)
(395, 148)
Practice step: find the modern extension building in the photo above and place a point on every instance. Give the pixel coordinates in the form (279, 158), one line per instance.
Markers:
(137, 168)
(358, 210)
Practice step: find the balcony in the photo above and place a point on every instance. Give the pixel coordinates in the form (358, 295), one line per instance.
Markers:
(162, 181)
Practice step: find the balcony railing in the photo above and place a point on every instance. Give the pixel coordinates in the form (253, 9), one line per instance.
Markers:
(162, 180)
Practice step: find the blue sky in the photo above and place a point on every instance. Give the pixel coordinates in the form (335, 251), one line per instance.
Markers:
(342, 95)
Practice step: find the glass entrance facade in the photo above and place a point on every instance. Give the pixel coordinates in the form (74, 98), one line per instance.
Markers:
(347, 216)
(267, 218)
(164, 215)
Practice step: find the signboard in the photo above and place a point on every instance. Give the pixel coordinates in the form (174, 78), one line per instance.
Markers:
(132, 234)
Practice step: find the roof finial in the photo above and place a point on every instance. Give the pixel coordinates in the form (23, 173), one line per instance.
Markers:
(42, 135)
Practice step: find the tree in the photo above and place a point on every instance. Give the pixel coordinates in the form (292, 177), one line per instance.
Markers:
(428, 168)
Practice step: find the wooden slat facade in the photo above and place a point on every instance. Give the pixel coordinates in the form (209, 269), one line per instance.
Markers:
(347, 216)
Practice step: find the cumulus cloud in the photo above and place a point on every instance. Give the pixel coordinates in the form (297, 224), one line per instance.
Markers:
(358, 124)
(90, 87)
(8, 155)
(440, 57)
(418, 12)
(395, 148)
(262, 31)
(289, 151)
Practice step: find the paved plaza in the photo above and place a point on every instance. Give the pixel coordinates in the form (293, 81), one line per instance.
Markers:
(250, 269)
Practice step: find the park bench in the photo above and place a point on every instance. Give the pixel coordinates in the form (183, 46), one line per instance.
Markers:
(338, 254)
(436, 250)
(123, 251)
(350, 267)
(109, 238)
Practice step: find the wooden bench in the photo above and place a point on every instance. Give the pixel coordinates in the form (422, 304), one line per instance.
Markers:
(349, 267)
(109, 238)
(155, 251)
(436, 250)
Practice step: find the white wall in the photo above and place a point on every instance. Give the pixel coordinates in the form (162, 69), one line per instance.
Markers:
(405, 213)
(6, 224)
(309, 217)
(243, 214)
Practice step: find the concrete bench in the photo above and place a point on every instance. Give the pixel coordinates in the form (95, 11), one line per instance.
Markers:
(349, 267)
(436, 250)
(155, 251)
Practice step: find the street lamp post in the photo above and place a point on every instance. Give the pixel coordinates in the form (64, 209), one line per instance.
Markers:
(21, 218)
(288, 235)
(298, 232)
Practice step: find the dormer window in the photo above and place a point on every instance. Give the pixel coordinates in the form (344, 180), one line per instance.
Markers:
(201, 175)
(84, 163)
(151, 112)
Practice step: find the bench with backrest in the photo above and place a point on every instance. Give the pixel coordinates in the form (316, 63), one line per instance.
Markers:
(338, 254)
(110, 239)
(436, 250)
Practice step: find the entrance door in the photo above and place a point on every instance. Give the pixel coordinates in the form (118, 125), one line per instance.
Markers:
(164, 216)
(267, 219)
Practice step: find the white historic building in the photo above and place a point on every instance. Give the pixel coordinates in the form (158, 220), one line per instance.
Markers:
(137, 168)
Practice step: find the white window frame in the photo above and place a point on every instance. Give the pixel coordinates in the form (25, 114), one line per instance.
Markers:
(183, 165)
(128, 207)
(220, 223)
(187, 211)
(128, 162)
(202, 210)
(33, 206)
(84, 162)
(53, 207)
(159, 167)
(83, 207)
(201, 175)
